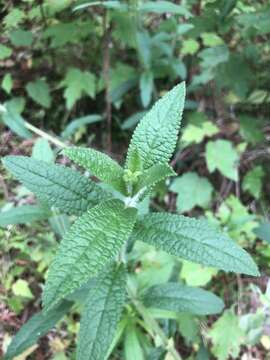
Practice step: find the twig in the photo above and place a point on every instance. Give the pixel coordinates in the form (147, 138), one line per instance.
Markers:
(43, 134)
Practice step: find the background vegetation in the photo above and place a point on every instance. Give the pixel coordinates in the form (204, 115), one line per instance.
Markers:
(85, 73)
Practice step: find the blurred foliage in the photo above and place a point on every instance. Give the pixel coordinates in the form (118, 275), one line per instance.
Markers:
(83, 70)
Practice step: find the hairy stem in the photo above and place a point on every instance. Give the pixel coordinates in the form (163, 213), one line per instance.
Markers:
(43, 134)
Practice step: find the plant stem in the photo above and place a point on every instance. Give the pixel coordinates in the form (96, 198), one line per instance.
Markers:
(43, 134)
(154, 326)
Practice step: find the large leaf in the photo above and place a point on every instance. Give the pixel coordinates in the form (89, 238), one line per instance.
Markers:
(156, 135)
(23, 214)
(181, 298)
(34, 328)
(99, 164)
(90, 244)
(101, 314)
(194, 240)
(56, 185)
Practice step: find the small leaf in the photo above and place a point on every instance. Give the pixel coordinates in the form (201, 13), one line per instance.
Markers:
(23, 214)
(101, 314)
(20, 37)
(91, 243)
(12, 118)
(43, 151)
(227, 346)
(156, 135)
(78, 83)
(154, 174)
(221, 155)
(21, 288)
(56, 185)
(7, 83)
(99, 165)
(263, 231)
(192, 191)
(132, 346)
(161, 7)
(190, 47)
(194, 240)
(196, 274)
(253, 181)
(39, 91)
(5, 52)
(181, 298)
(146, 87)
(34, 328)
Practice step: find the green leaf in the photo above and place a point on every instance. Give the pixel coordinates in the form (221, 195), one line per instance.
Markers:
(12, 118)
(78, 83)
(156, 135)
(21, 288)
(253, 181)
(39, 91)
(7, 83)
(132, 120)
(263, 231)
(91, 243)
(76, 124)
(227, 346)
(20, 37)
(190, 47)
(101, 314)
(194, 240)
(146, 87)
(5, 52)
(99, 165)
(192, 191)
(251, 129)
(196, 274)
(181, 298)
(56, 185)
(43, 151)
(132, 347)
(23, 214)
(154, 174)
(221, 155)
(34, 328)
(161, 7)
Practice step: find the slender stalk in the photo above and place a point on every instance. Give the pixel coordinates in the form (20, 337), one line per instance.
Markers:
(43, 134)
(154, 326)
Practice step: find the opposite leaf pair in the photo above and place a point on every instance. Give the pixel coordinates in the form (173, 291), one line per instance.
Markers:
(109, 219)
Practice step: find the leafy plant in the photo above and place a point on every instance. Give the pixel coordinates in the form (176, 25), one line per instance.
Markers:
(91, 265)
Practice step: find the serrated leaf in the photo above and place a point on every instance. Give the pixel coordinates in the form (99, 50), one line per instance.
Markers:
(77, 83)
(34, 328)
(39, 91)
(101, 314)
(91, 243)
(227, 346)
(56, 185)
(253, 181)
(194, 240)
(221, 155)
(193, 190)
(99, 164)
(181, 298)
(156, 135)
(155, 174)
(23, 214)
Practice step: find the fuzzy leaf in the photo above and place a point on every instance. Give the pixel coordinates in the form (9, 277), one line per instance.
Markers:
(56, 185)
(101, 314)
(156, 135)
(181, 298)
(194, 240)
(99, 164)
(90, 244)
(155, 174)
(34, 328)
